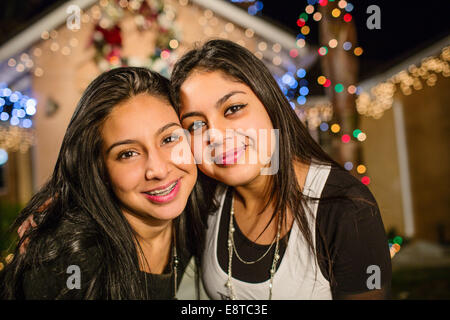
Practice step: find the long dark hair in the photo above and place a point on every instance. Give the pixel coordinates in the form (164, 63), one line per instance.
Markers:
(294, 139)
(77, 209)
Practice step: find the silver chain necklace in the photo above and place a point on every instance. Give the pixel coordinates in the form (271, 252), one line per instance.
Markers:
(174, 264)
(232, 248)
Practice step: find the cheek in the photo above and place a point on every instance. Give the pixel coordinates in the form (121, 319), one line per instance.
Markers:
(124, 178)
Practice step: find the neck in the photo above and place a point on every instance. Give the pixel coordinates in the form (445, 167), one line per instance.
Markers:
(254, 195)
(154, 238)
(250, 200)
(251, 194)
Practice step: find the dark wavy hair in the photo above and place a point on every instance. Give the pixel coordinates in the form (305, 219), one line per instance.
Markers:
(77, 208)
(295, 142)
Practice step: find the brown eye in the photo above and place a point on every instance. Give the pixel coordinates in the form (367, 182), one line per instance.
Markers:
(172, 138)
(127, 154)
(234, 109)
(196, 125)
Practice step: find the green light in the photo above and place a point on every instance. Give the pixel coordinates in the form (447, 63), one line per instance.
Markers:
(303, 16)
(339, 87)
(398, 240)
(356, 133)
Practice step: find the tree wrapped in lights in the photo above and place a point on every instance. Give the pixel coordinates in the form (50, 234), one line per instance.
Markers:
(338, 52)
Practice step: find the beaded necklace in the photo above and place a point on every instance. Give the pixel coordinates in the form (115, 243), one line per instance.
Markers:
(232, 248)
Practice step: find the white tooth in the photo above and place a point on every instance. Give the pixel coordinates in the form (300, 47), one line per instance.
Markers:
(165, 191)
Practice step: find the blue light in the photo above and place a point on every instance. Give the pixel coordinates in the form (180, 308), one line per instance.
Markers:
(21, 113)
(6, 92)
(347, 45)
(286, 78)
(301, 100)
(348, 165)
(312, 1)
(31, 103)
(2, 102)
(301, 73)
(285, 90)
(304, 91)
(300, 36)
(294, 84)
(259, 5)
(349, 7)
(292, 105)
(4, 116)
(324, 126)
(27, 123)
(30, 111)
(252, 10)
(23, 101)
(358, 90)
(14, 121)
(14, 97)
(3, 156)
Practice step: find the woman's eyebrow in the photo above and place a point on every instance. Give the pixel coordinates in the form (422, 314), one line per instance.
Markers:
(167, 126)
(131, 141)
(191, 114)
(118, 143)
(217, 105)
(226, 97)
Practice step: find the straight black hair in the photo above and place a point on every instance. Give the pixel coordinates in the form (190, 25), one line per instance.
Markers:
(295, 142)
(77, 208)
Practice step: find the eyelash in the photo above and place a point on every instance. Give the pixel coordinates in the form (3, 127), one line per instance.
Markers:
(191, 127)
(121, 155)
(176, 138)
(237, 106)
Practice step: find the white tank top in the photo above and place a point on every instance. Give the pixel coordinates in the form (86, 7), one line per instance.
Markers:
(298, 276)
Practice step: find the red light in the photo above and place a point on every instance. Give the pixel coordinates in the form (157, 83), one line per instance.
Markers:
(327, 83)
(345, 138)
(293, 53)
(365, 180)
(347, 17)
(323, 3)
(301, 22)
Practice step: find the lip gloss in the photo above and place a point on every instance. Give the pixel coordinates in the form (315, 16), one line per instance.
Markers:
(231, 157)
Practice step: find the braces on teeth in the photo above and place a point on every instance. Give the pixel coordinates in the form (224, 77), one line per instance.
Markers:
(163, 192)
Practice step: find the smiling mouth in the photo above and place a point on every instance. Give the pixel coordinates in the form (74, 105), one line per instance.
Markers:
(230, 157)
(163, 192)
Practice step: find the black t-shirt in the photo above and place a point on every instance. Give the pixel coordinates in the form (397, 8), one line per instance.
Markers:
(348, 224)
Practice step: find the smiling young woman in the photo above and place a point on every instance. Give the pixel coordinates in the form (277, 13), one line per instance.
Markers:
(115, 205)
(306, 228)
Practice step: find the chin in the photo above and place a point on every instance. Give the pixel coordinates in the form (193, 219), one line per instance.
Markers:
(237, 175)
(169, 211)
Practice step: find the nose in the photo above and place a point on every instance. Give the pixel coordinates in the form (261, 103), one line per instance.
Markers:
(158, 167)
